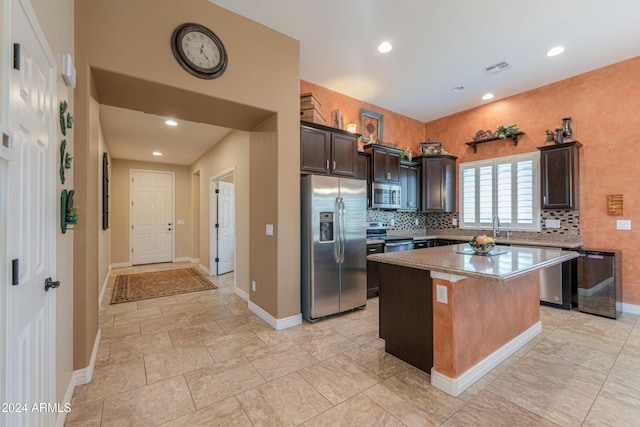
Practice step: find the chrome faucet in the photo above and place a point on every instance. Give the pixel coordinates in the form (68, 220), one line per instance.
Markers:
(495, 223)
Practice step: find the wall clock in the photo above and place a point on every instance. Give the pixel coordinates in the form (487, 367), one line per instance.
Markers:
(199, 51)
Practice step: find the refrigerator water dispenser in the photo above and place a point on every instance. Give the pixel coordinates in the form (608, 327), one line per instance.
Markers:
(326, 226)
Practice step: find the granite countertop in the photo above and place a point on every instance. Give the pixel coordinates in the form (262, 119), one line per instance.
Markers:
(516, 261)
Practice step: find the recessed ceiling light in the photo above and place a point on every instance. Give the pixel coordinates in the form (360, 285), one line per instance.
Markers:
(555, 51)
(385, 47)
(487, 96)
(170, 122)
(157, 153)
(457, 89)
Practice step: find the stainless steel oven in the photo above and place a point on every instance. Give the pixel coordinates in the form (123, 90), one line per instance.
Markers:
(394, 244)
(385, 196)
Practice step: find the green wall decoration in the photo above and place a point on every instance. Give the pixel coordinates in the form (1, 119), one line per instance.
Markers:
(68, 212)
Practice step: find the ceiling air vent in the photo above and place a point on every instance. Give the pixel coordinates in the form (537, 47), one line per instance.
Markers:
(498, 67)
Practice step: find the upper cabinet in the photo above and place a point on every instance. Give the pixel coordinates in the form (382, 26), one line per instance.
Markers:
(438, 183)
(560, 175)
(385, 163)
(328, 151)
(409, 186)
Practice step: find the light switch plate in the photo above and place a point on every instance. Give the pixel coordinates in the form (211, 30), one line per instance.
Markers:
(269, 229)
(441, 294)
(180, 222)
(623, 224)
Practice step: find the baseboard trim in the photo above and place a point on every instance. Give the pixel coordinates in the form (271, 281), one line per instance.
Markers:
(277, 324)
(455, 386)
(630, 308)
(182, 259)
(242, 294)
(84, 375)
(195, 260)
(103, 290)
(120, 265)
(203, 268)
(68, 395)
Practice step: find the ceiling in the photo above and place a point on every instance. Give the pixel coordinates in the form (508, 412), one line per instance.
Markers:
(437, 45)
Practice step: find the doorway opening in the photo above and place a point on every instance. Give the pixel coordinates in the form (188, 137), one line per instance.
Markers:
(222, 222)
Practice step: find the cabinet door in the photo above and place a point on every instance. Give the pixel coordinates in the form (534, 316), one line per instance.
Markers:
(344, 155)
(363, 173)
(439, 184)
(379, 161)
(433, 197)
(393, 167)
(559, 178)
(373, 275)
(413, 188)
(315, 150)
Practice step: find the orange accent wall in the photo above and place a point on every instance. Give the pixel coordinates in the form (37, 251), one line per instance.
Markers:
(479, 318)
(605, 105)
(405, 131)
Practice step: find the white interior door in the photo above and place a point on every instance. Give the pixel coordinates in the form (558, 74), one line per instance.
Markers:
(30, 376)
(226, 227)
(151, 217)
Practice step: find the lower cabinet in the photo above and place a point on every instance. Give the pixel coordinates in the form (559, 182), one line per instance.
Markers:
(428, 243)
(373, 275)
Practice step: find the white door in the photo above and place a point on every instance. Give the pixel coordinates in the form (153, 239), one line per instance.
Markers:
(30, 373)
(151, 217)
(226, 227)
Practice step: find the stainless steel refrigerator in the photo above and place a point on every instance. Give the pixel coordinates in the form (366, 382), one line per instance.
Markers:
(333, 234)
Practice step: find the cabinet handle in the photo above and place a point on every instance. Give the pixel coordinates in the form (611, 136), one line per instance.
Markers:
(544, 200)
(334, 165)
(326, 164)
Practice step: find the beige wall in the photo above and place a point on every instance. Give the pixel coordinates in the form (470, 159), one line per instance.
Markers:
(262, 78)
(121, 201)
(104, 236)
(230, 154)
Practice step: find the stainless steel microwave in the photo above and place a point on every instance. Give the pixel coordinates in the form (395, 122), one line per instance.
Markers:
(385, 196)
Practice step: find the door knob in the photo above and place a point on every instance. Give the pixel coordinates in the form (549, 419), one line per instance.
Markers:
(169, 229)
(48, 284)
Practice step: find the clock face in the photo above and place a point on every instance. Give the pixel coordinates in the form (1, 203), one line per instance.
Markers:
(199, 51)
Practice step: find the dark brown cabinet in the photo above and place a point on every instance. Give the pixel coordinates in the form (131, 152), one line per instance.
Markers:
(385, 163)
(409, 186)
(560, 175)
(373, 275)
(438, 183)
(364, 172)
(328, 151)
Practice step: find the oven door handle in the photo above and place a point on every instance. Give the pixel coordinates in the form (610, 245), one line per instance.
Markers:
(394, 245)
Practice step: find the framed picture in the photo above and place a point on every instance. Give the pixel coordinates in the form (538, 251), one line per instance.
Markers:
(430, 147)
(371, 125)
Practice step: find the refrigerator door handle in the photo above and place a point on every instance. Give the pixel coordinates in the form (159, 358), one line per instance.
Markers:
(343, 233)
(337, 241)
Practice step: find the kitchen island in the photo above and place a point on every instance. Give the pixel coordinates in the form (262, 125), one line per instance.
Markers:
(456, 315)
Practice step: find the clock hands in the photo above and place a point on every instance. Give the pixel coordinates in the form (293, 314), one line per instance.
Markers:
(202, 52)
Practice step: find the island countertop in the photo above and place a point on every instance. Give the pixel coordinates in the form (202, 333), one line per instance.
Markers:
(514, 262)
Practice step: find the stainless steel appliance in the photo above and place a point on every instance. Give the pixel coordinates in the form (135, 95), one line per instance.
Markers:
(333, 234)
(378, 230)
(600, 282)
(385, 196)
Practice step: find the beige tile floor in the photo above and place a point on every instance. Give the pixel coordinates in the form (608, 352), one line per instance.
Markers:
(203, 359)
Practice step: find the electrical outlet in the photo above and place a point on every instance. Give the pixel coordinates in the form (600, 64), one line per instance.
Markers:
(441, 294)
(417, 221)
(253, 285)
(269, 229)
(623, 224)
(392, 222)
(454, 222)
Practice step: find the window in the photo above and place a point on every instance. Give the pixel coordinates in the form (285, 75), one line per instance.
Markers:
(507, 187)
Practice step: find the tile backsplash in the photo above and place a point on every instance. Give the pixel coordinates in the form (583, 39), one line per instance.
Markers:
(569, 223)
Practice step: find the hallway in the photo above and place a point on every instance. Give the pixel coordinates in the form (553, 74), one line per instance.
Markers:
(203, 358)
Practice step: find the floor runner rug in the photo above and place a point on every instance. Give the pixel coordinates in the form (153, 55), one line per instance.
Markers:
(139, 286)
